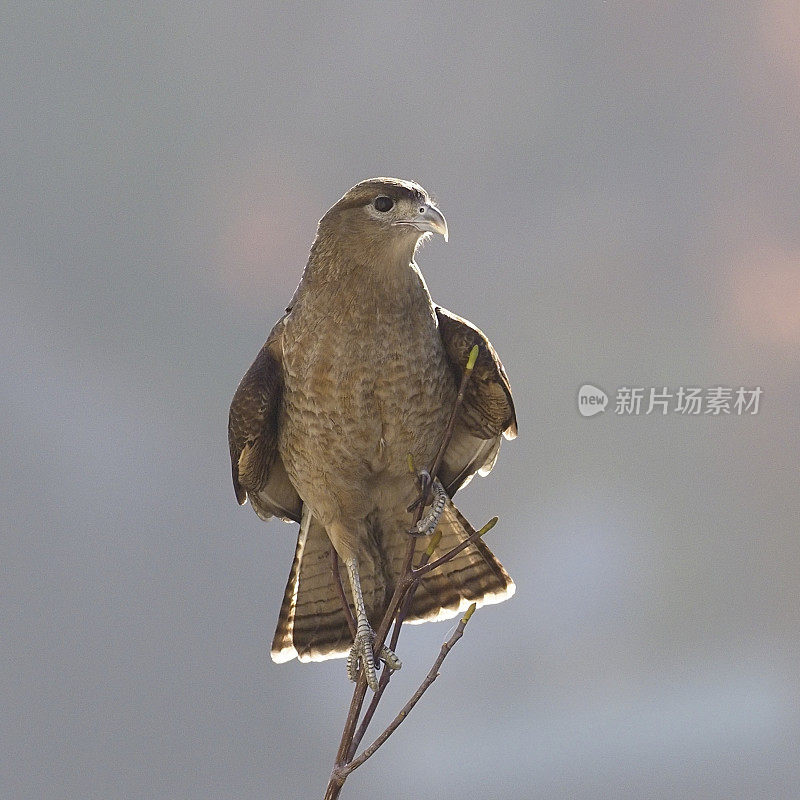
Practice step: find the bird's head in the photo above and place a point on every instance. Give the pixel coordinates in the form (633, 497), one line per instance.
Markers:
(385, 213)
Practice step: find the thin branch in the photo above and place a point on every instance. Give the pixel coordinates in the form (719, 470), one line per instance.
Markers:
(424, 569)
(396, 611)
(370, 712)
(432, 675)
(347, 733)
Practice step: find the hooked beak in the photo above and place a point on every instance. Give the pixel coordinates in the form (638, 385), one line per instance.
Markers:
(428, 219)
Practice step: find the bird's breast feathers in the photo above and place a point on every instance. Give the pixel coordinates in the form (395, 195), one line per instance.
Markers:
(369, 389)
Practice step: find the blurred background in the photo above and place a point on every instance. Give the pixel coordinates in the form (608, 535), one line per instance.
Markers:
(622, 186)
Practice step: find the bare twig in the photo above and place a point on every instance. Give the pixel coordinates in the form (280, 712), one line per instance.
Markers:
(432, 675)
(396, 612)
(370, 712)
(424, 569)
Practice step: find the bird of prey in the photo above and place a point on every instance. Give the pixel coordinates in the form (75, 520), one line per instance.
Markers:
(361, 371)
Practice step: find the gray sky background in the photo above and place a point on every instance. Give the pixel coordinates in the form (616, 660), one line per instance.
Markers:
(622, 185)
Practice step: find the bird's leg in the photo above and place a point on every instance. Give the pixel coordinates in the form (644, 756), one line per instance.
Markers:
(362, 649)
(427, 525)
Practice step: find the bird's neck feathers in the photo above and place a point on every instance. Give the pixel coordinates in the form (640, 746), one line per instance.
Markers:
(375, 266)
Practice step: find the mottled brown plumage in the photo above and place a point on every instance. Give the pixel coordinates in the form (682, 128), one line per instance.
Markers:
(360, 371)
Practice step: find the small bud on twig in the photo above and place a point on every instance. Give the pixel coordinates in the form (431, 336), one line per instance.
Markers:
(468, 613)
(473, 357)
(434, 543)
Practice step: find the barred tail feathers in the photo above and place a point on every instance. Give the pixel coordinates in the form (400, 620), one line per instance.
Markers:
(312, 625)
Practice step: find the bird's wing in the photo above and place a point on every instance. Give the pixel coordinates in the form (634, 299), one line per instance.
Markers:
(258, 471)
(487, 412)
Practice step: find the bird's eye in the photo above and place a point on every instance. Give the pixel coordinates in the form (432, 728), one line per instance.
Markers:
(383, 203)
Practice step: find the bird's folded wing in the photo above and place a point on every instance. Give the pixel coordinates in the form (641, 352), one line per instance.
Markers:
(487, 412)
(258, 472)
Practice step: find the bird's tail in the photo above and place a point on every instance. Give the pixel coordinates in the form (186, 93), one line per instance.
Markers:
(312, 625)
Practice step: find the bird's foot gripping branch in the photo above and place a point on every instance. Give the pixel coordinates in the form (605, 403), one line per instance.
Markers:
(427, 525)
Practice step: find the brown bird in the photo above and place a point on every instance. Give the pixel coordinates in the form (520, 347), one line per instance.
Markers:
(361, 371)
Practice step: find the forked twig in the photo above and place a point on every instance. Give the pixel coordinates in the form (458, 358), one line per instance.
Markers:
(432, 675)
(398, 608)
(425, 568)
